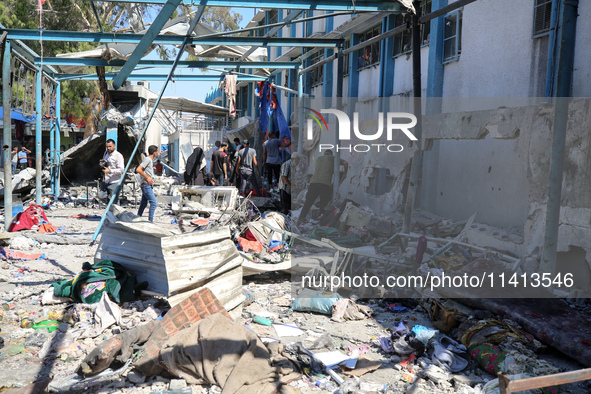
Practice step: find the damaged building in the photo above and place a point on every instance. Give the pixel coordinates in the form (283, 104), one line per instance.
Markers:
(448, 249)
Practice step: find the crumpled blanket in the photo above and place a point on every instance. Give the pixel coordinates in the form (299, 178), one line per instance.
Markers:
(105, 275)
(218, 351)
(346, 309)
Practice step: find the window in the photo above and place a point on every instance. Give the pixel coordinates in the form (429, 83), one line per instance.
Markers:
(273, 16)
(425, 27)
(452, 43)
(317, 74)
(346, 58)
(542, 15)
(402, 41)
(369, 55)
(243, 98)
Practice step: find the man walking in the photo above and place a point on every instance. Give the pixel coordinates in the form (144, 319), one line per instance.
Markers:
(146, 171)
(112, 166)
(272, 159)
(247, 164)
(218, 164)
(285, 187)
(321, 183)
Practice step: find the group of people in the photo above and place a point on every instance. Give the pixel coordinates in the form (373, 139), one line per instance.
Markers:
(20, 158)
(232, 166)
(238, 166)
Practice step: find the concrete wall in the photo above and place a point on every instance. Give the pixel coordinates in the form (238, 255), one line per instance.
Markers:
(582, 67)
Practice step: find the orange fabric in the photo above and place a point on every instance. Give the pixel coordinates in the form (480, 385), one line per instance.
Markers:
(47, 228)
(247, 245)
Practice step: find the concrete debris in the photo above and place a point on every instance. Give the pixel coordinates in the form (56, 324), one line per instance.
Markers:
(209, 246)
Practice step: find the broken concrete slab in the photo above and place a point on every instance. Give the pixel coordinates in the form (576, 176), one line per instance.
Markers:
(204, 199)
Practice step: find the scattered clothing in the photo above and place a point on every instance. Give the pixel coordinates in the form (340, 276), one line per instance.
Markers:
(346, 309)
(10, 254)
(228, 86)
(88, 285)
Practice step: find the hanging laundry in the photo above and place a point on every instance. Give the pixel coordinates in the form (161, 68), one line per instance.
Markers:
(228, 85)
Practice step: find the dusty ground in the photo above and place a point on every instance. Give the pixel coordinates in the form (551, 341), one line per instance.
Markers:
(23, 282)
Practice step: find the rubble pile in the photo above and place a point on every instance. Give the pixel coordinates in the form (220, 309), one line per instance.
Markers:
(202, 301)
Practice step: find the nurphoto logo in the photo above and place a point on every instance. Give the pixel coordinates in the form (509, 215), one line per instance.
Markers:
(396, 122)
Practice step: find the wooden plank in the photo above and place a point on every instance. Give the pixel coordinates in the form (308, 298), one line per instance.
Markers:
(508, 386)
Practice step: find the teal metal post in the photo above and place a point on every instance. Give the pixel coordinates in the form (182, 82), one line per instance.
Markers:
(7, 134)
(566, 56)
(52, 127)
(147, 39)
(38, 133)
(146, 125)
(300, 112)
(57, 155)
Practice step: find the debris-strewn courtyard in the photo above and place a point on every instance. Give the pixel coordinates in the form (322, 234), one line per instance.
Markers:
(97, 340)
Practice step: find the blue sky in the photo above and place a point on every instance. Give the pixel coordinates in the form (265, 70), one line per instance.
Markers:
(195, 90)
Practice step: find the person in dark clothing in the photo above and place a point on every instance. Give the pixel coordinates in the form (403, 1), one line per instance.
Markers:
(321, 186)
(235, 175)
(218, 164)
(195, 169)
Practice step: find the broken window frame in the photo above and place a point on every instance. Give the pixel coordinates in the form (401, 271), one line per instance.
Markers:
(317, 74)
(346, 65)
(373, 50)
(403, 39)
(542, 18)
(452, 42)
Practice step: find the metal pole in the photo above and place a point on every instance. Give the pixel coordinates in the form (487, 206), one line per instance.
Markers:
(418, 155)
(300, 112)
(139, 141)
(337, 155)
(443, 10)
(51, 152)
(38, 133)
(7, 134)
(563, 91)
(56, 153)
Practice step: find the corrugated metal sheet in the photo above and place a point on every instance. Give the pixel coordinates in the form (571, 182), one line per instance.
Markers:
(175, 266)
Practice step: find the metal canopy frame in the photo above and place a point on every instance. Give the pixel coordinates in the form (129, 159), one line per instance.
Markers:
(130, 67)
(315, 5)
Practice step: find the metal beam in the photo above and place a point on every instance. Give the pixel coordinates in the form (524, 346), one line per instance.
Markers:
(93, 62)
(147, 124)
(167, 39)
(564, 78)
(7, 134)
(58, 142)
(417, 159)
(147, 39)
(444, 10)
(157, 77)
(281, 24)
(316, 5)
(293, 14)
(38, 134)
